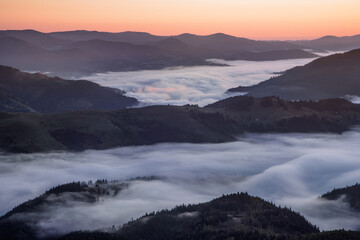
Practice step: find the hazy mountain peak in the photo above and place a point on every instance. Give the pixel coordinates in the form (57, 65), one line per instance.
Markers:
(37, 38)
(221, 35)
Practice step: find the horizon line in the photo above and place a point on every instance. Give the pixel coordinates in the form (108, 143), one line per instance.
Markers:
(173, 35)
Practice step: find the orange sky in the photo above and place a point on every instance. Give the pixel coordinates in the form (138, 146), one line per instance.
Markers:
(259, 19)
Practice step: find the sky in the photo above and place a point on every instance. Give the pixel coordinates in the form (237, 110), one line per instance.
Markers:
(258, 19)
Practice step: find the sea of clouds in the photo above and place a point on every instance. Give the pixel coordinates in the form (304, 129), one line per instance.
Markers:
(290, 170)
(193, 85)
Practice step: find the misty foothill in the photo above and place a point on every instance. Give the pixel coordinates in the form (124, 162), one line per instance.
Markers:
(130, 135)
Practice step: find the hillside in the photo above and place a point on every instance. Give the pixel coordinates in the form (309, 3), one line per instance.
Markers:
(24, 91)
(350, 194)
(219, 122)
(37, 38)
(129, 37)
(122, 56)
(327, 77)
(9, 103)
(14, 224)
(332, 43)
(236, 215)
(229, 44)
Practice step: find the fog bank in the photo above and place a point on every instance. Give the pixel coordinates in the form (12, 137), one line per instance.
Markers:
(194, 85)
(289, 169)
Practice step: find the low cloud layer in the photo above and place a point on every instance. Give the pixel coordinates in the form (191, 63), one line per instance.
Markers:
(194, 85)
(289, 169)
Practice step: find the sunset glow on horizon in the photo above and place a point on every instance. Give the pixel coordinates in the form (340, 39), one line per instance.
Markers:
(258, 19)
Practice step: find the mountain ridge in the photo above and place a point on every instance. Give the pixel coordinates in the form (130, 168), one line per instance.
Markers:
(220, 122)
(193, 51)
(52, 94)
(334, 76)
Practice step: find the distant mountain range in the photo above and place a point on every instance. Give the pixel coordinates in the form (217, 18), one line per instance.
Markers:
(334, 76)
(76, 53)
(332, 43)
(25, 92)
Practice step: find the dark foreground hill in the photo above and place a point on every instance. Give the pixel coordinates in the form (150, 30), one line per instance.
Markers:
(222, 121)
(25, 92)
(328, 77)
(237, 216)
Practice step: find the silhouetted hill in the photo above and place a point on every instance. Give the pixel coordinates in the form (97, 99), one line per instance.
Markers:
(327, 77)
(179, 47)
(229, 44)
(16, 225)
(83, 35)
(218, 122)
(21, 54)
(218, 41)
(76, 192)
(350, 194)
(37, 38)
(138, 37)
(129, 37)
(332, 43)
(236, 215)
(52, 94)
(119, 50)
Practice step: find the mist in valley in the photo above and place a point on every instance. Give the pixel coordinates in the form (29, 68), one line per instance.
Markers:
(193, 85)
(290, 170)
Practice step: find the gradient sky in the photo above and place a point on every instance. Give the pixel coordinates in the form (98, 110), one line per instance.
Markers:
(259, 19)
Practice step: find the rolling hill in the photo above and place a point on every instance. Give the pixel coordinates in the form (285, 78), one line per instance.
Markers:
(37, 38)
(332, 43)
(327, 77)
(236, 215)
(350, 194)
(40, 93)
(222, 121)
